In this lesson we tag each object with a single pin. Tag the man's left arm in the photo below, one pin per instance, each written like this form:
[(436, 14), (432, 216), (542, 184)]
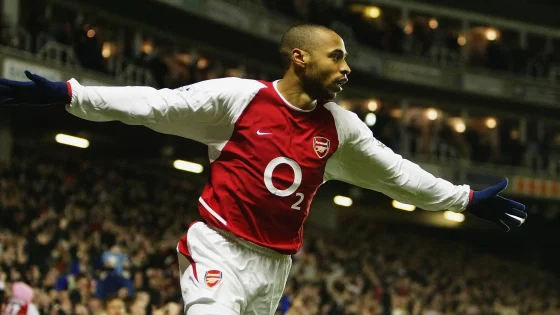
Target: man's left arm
[(364, 161)]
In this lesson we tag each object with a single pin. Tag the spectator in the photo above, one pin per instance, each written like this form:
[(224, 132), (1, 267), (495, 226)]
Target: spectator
[(371, 270), (115, 306), (21, 301)]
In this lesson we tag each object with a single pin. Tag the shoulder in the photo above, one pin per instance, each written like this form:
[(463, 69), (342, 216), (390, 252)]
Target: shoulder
[(231, 85), (348, 125), (340, 113)]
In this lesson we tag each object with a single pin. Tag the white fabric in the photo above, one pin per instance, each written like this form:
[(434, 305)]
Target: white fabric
[(364, 161), (15, 307), (207, 111), (210, 309), (251, 283)]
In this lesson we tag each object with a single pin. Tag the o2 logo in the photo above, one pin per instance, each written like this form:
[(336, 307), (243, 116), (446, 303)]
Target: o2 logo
[(295, 184)]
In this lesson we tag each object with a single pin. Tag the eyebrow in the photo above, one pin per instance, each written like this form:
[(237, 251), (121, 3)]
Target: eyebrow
[(340, 52)]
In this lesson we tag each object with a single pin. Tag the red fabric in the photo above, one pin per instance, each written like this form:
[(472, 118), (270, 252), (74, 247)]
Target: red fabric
[(262, 184), (69, 86), (184, 250)]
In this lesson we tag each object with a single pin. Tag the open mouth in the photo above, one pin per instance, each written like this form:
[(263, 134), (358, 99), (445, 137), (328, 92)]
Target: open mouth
[(341, 82)]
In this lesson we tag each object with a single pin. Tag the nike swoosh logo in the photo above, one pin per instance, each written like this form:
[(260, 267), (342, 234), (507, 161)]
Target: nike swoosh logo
[(263, 133)]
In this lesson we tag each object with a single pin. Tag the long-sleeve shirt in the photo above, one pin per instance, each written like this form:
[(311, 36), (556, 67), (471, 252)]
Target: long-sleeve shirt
[(268, 157)]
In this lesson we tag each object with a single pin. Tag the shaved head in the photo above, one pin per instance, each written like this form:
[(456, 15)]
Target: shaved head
[(314, 57), (302, 36)]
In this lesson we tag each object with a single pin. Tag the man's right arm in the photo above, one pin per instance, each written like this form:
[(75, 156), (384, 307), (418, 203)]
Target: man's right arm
[(204, 111), (185, 111)]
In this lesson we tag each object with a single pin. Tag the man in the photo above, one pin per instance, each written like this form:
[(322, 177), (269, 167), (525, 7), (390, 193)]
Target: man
[(115, 306), (271, 145)]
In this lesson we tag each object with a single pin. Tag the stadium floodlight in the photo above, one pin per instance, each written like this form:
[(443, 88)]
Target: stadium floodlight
[(433, 23), (408, 29), (432, 114), (372, 105), (371, 119), (71, 141), (372, 12), (491, 34), (459, 126), (343, 201), (188, 166), (454, 216), (491, 123), (403, 206)]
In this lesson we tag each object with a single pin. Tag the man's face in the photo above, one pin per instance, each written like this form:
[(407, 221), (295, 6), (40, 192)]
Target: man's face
[(115, 307), (326, 70)]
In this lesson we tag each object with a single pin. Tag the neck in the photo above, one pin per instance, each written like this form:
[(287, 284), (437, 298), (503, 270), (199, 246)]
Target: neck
[(291, 88)]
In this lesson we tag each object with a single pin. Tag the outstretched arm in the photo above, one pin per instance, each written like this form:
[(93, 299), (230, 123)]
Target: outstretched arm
[(364, 161), (191, 111), (143, 105)]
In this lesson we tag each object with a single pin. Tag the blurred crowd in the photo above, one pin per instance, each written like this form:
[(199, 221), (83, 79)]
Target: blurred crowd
[(93, 41), (104, 45), (173, 65), (100, 238), (430, 134), (440, 41), (382, 269), (96, 40), (83, 235)]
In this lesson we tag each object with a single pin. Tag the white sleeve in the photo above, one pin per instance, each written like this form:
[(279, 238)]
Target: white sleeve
[(194, 111), (364, 161)]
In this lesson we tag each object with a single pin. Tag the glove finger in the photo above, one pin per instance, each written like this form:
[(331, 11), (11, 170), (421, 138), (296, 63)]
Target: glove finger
[(517, 205), (15, 84), (36, 78), (512, 203), (518, 213), (29, 75), (496, 189), (502, 225), (512, 220)]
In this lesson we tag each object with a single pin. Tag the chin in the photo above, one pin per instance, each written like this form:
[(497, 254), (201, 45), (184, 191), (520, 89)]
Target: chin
[(329, 95)]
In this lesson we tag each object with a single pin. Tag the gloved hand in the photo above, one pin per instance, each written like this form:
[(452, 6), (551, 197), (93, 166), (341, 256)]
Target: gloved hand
[(38, 91), (488, 205)]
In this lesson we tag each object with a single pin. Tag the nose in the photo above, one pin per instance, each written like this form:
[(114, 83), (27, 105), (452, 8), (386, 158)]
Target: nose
[(345, 69)]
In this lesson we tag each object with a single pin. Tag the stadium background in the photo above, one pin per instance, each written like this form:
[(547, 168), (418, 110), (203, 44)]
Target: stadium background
[(466, 89)]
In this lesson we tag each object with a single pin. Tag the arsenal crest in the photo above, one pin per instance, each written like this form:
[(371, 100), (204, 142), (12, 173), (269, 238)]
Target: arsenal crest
[(321, 146), (212, 277)]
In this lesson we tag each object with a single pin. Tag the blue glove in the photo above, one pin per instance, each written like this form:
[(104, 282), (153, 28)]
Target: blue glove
[(488, 205), (38, 91)]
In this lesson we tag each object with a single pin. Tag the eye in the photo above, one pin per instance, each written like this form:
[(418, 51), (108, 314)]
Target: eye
[(336, 57)]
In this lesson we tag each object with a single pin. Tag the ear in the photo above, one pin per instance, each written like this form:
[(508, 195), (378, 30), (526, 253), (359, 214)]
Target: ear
[(299, 57)]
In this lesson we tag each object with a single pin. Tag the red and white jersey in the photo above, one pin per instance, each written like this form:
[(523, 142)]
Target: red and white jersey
[(268, 157), (20, 307)]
